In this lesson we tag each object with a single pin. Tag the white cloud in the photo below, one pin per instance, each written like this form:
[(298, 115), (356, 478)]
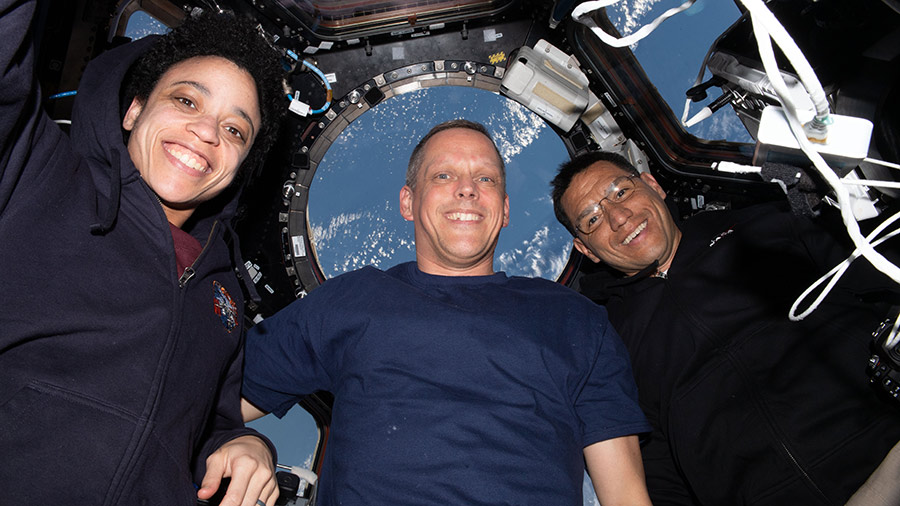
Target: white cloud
[(353, 240), (337, 224), (515, 129), (724, 124), (534, 258), (629, 17)]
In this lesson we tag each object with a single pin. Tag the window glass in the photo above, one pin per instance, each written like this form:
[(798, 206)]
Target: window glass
[(671, 55), (141, 24), (353, 202), (342, 17), (295, 436)]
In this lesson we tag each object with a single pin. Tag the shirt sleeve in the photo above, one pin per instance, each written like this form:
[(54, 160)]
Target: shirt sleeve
[(282, 356), (607, 404)]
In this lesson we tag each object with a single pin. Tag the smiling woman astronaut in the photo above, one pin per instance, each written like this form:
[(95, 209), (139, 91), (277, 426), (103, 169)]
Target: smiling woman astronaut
[(122, 314)]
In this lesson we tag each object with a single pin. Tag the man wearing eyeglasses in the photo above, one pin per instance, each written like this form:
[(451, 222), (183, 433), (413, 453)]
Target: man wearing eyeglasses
[(628, 237), (746, 406)]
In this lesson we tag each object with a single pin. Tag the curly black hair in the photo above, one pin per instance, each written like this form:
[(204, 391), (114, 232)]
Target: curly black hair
[(234, 39)]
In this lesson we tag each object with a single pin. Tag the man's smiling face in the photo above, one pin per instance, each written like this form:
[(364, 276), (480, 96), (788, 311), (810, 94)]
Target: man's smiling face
[(459, 204), (193, 132), (633, 233)]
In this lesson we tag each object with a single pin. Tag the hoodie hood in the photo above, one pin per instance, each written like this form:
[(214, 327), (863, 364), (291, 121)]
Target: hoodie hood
[(98, 136), (97, 127), (97, 113)]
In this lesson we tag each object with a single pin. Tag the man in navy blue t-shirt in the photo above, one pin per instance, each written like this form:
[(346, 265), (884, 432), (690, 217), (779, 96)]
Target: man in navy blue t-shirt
[(454, 384)]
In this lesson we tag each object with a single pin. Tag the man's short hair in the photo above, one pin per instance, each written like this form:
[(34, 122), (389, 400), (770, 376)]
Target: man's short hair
[(233, 39), (570, 169), (418, 154)]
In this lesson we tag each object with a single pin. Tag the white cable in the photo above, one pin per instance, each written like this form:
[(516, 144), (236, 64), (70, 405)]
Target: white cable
[(871, 182), (687, 108), (305, 474), (581, 10), (700, 116), (838, 271), (894, 336), (768, 57), (301, 472), (763, 17), (765, 28), (863, 246), (699, 79), (882, 162), (736, 168)]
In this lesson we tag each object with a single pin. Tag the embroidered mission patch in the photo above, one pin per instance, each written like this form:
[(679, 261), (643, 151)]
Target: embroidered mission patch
[(225, 307)]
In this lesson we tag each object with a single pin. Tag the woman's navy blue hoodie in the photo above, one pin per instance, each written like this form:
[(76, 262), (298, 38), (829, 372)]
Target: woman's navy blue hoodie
[(117, 376)]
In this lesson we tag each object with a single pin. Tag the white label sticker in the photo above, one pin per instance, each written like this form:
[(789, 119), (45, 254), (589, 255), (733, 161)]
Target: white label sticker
[(491, 35), (299, 246)]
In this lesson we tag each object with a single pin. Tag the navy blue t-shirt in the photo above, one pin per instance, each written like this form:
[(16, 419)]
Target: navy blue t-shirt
[(448, 390)]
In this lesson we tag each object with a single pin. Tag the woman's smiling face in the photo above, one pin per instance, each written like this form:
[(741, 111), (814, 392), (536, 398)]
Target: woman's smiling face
[(193, 132)]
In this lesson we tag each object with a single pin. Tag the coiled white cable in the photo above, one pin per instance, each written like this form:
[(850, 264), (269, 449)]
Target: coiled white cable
[(579, 13), (766, 28), (835, 273), (863, 245)]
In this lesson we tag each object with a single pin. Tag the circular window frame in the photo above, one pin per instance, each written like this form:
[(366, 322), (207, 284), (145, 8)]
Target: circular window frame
[(301, 258)]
